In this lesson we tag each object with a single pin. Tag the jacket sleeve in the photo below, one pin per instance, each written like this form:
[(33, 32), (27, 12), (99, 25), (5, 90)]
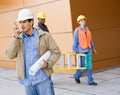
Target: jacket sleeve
[(12, 49), (55, 51), (75, 41)]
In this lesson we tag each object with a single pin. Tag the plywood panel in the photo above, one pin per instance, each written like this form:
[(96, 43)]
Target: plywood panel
[(64, 41), (106, 64), (7, 5), (7, 64), (3, 46), (107, 43), (6, 23), (100, 13), (30, 3), (58, 16)]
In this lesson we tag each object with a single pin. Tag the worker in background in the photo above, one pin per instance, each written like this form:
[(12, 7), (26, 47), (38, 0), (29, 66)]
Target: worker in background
[(41, 16), (27, 47), (83, 44)]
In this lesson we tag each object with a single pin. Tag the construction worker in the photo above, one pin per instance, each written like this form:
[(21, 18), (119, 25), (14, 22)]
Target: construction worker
[(41, 16), (27, 46), (83, 44)]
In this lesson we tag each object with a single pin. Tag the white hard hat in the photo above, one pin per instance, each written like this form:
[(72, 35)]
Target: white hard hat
[(25, 14)]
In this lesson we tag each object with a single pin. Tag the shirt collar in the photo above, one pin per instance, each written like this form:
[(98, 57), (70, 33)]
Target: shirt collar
[(33, 33), (84, 28)]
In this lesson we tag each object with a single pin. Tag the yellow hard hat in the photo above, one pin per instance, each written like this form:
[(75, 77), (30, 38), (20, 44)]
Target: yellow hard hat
[(41, 15), (81, 17)]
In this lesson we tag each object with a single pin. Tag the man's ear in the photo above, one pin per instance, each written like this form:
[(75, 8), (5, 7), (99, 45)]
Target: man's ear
[(32, 22)]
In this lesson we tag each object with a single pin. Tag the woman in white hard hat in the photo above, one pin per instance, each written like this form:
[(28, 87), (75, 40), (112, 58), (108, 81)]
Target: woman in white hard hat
[(83, 44), (27, 47)]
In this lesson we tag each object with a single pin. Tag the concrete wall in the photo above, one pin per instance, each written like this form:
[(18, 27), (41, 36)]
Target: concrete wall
[(104, 22)]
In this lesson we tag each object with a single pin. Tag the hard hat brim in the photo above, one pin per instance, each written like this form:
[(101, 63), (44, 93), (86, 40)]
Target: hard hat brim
[(24, 19)]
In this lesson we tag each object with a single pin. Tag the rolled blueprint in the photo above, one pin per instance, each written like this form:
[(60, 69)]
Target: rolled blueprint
[(39, 63)]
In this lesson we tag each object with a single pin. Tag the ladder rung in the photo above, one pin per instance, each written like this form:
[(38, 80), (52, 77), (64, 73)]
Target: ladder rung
[(69, 58), (69, 68)]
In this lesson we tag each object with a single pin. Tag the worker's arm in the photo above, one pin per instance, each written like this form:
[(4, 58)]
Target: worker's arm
[(13, 47)]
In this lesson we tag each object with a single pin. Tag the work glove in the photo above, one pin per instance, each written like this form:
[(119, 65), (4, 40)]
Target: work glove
[(74, 53), (94, 51)]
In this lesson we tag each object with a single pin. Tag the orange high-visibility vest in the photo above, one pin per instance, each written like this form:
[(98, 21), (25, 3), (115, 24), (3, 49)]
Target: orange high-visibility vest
[(84, 38)]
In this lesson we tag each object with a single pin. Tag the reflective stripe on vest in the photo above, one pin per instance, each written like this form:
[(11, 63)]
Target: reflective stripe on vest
[(84, 38)]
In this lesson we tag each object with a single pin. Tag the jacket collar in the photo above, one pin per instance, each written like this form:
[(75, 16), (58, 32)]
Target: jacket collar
[(40, 33)]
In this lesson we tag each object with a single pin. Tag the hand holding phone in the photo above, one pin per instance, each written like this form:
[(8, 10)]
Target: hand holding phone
[(16, 30)]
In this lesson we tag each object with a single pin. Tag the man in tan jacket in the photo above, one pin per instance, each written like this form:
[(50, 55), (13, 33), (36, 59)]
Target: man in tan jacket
[(28, 46)]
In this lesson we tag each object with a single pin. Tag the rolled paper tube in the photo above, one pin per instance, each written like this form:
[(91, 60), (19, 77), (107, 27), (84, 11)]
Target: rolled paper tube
[(39, 63)]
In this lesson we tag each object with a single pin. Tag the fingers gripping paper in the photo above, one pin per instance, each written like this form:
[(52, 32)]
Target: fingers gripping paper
[(39, 63)]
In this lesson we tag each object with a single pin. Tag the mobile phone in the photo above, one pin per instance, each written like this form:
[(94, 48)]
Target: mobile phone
[(16, 26)]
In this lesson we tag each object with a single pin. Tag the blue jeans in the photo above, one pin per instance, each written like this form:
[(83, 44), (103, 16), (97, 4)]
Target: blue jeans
[(43, 88), (78, 73)]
